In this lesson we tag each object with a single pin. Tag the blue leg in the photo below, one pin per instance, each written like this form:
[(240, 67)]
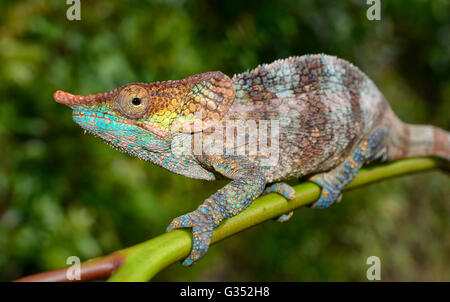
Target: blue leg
[(333, 181), (229, 201)]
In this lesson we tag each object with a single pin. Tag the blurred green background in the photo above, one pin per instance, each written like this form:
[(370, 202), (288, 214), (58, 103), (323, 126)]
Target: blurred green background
[(63, 193)]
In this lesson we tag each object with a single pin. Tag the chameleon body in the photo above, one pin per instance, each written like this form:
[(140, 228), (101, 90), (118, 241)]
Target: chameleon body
[(331, 120)]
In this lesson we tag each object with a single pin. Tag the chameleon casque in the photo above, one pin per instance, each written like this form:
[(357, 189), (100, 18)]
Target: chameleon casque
[(332, 120)]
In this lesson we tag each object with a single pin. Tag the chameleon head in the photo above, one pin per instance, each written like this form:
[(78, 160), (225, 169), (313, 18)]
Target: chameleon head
[(140, 118), (116, 118), (162, 108)]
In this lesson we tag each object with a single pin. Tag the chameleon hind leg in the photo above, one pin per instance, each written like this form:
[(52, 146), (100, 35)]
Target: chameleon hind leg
[(286, 191), (332, 182)]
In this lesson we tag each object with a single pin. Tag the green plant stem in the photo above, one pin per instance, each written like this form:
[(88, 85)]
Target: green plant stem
[(143, 261), (147, 259)]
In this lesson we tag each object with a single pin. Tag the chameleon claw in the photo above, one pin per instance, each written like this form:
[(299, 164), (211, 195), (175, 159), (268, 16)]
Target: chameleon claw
[(202, 229), (187, 262), (285, 217), (179, 223)]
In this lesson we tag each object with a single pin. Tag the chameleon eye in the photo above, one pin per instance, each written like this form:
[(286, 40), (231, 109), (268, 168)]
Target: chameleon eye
[(133, 101)]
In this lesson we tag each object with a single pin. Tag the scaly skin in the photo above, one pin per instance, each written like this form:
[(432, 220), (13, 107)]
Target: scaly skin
[(331, 120)]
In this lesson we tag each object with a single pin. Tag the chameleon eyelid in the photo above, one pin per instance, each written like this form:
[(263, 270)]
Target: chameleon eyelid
[(133, 101)]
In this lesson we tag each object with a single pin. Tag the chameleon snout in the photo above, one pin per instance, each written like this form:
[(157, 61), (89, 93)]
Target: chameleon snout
[(69, 99)]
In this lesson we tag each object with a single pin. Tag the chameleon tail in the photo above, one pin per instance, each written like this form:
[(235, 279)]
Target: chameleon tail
[(418, 140)]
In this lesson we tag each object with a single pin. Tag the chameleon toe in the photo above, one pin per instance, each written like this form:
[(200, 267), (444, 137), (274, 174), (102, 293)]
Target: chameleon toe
[(284, 190), (202, 230), (285, 217), (281, 188)]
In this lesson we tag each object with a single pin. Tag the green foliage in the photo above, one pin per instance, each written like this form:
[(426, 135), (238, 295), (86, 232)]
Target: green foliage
[(63, 194)]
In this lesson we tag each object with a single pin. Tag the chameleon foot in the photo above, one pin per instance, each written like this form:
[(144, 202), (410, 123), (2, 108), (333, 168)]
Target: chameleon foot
[(333, 181), (287, 192), (202, 230), (331, 190)]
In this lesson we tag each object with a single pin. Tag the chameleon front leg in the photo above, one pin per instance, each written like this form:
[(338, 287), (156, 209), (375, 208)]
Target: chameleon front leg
[(333, 181), (248, 184)]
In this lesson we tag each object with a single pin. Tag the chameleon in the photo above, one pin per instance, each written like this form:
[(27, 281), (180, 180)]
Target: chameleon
[(328, 120)]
